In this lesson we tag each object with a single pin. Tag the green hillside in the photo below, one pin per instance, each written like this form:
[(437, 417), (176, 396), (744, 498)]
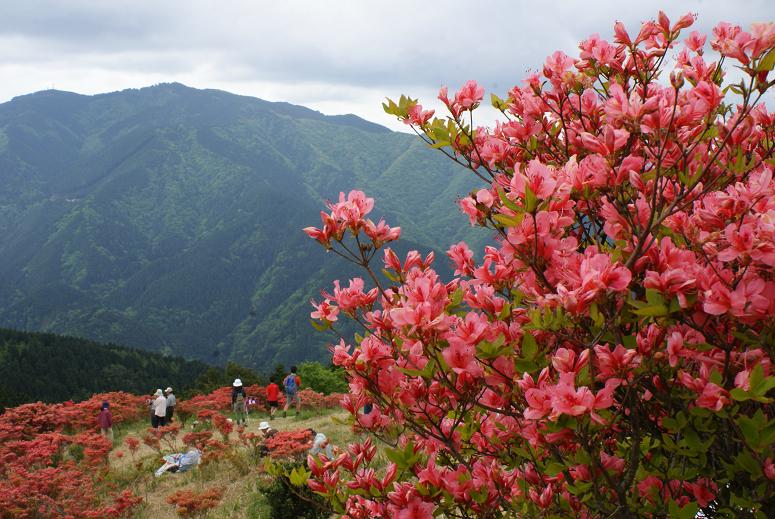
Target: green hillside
[(52, 368), (168, 218)]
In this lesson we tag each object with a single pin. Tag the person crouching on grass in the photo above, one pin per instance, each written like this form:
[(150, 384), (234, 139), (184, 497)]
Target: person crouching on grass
[(272, 396), (266, 432)]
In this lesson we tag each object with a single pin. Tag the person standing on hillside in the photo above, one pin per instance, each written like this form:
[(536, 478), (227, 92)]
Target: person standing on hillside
[(105, 420), (151, 410), (238, 398), (171, 403), (159, 410), (291, 385), (272, 396)]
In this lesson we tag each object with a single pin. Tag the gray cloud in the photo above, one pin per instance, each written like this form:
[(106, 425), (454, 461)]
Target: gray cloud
[(326, 53)]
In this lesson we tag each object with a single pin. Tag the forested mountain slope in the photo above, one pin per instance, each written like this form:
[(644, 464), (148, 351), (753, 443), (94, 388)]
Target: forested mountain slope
[(169, 218)]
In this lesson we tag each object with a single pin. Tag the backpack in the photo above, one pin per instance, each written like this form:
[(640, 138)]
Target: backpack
[(290, 384)]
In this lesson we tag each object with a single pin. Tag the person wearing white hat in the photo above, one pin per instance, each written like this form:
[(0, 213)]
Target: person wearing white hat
[(266, 429), (159, 409), (267, 432), (238, 398), (171, 403)]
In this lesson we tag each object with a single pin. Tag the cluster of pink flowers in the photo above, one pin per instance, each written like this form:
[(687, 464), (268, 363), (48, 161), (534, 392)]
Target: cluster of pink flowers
[(349, 215), (621, 325)]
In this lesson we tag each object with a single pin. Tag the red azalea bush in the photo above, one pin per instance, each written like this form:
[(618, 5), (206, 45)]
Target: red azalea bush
[(288, 444), (27, 420), (610, 353), (198, 439), (220, 400), (192, 504), (52, 462), (162, 437), (40, 479)]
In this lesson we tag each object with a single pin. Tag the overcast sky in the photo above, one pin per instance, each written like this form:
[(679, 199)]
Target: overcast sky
[(331, 55)]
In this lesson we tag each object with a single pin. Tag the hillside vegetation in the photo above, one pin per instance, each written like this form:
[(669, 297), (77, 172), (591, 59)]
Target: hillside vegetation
[(53, 368), (168, 218), (55, 464)]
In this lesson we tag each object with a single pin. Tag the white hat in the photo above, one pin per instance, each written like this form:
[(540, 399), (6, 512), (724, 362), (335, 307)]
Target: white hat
[(263, 426), (168, 390), (158, 392), (237, 382)]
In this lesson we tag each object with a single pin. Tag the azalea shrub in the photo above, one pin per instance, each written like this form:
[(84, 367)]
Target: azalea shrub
[(28, 420), (289, 444), (57, 475), (284, 490), (609, 353), (162, 438), (220, 400), (195, 504)]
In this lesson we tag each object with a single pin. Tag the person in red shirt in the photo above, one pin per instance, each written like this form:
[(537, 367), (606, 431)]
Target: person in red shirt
[(105, 420), (272, 396)]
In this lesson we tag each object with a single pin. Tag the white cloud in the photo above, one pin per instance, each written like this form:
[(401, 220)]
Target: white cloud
[(336, 56)]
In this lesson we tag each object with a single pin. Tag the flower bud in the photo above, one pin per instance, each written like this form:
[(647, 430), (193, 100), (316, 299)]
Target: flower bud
[(677, 78)]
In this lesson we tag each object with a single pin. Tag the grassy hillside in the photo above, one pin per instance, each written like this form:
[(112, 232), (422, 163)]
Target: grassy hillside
[(56, 465), (169, 218)]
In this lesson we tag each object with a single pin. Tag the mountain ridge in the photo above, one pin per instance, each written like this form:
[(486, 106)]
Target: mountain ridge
[(169, 218)]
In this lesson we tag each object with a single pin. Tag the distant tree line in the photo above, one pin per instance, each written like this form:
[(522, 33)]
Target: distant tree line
[(53, 368)]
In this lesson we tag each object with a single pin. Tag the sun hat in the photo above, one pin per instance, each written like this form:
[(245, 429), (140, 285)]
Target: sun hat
[(263, 426), (168, 390), (237, 382), (158, 392)]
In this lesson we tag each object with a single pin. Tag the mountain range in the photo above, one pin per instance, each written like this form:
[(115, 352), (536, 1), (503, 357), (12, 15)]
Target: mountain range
[(169, 218)]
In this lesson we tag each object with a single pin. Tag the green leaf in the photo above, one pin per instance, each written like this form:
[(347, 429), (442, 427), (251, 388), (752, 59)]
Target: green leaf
[(397, 456), (457, 296), (531, 202), (765, 385), (756, 380), (651, 311), (767, 63), (553, 468), (390, 275), (505, 312), (505, 200), (320, 326), (508, 220), (750, 430), (536, 319), (529, 346), (299, 477), (686, 512), (525, 366), (739, 395), (654, 297), (692, 440), (497, 102)]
